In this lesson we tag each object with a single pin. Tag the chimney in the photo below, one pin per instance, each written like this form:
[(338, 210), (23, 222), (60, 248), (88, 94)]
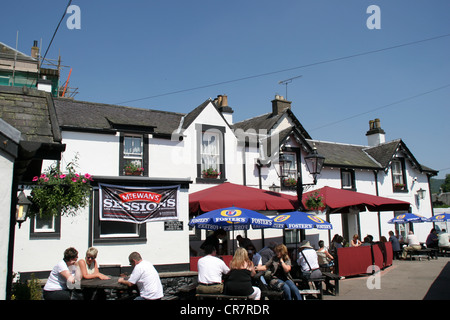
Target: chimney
[(375, 135), (279, 104), (222, 105), (35, 50)]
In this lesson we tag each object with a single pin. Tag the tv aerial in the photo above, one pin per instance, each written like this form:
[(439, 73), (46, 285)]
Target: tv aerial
[(286, 82)]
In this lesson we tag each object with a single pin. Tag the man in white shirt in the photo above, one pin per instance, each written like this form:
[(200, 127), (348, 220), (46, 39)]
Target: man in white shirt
[(443, 240), (308, 261), (146, 278), (210, 272), (413, 244)]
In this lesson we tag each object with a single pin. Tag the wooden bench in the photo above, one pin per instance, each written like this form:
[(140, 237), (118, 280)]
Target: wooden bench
[(203, 296), (271, 295), (317, 283), (429, 253), (444, 251), (332, 288)]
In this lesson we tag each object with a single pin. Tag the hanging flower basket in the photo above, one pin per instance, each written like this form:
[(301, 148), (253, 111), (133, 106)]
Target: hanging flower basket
[(290, 182), (314, 201), (57, 193)]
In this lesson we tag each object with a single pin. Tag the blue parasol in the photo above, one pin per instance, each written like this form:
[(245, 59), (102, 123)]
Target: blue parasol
[(230, 219), (442, 217), (300, 220), (407, 217)]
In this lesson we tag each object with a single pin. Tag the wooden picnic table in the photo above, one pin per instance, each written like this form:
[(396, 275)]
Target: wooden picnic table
[(97, 284)]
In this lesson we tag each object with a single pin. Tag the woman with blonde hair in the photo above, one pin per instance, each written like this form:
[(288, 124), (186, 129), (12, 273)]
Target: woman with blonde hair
[(355, 241), (239, 280), (89, 266), (280, 267)]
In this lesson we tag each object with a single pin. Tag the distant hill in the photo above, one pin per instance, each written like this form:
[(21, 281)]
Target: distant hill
[(436, 184)]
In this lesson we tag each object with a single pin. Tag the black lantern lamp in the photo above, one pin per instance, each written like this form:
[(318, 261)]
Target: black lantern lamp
[(421, 194), (22, 208), (314, 163)]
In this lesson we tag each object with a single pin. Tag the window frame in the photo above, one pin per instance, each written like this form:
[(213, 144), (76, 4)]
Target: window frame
[(402, 175), (54, 233), (145, 152), (220, 131), (350, 172), (296, 171)]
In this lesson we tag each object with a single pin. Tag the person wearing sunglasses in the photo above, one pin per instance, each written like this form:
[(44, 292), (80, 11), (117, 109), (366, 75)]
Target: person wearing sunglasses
[(89, 266)]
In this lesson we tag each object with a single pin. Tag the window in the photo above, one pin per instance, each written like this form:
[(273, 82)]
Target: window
[(107, 232), (134, 155), (348, 179), (289, 170), (45, 227), (398, 175), (210, 154)]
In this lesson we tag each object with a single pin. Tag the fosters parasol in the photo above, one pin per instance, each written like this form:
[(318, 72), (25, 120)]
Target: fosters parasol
[(442, 217), (407, 217), (300, 220), (230, 219)]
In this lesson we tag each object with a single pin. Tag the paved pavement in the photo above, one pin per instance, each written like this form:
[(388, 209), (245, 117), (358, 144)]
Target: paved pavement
[(404, 280)]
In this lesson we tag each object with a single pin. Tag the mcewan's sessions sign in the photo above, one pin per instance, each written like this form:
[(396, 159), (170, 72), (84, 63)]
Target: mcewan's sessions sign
[(138, 204)]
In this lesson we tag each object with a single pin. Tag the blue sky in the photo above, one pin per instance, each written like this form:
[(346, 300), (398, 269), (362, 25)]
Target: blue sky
[(173, 55)]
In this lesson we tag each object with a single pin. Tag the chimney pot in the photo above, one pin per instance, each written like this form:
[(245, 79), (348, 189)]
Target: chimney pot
[(35, 50), (375, 135), (279, 104)]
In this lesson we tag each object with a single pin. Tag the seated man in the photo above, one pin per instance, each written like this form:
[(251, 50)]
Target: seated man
[(210, 272), (308, 261), (443, 240), (413, 244)]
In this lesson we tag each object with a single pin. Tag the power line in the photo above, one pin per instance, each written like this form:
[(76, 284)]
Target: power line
[(56, 30), (382, 107), (289, 69)]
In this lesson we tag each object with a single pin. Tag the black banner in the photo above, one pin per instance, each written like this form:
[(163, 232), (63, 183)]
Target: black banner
[(138, 204)]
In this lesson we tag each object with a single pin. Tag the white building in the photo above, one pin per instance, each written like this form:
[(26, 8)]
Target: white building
[(175, 149)]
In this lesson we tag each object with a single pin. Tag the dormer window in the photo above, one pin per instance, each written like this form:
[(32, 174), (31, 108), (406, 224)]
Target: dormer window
[(134, 155), (398, 175), (210, 165)]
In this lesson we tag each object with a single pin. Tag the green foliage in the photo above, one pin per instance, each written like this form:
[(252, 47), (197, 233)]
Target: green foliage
[(27, 291), (314, 201), (446, 185), (60, 193)]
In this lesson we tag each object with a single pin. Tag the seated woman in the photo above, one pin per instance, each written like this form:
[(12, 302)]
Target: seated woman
[(56, 285), (89, 270), (326, 260), (89, 266), (280, 267), (239, 280)]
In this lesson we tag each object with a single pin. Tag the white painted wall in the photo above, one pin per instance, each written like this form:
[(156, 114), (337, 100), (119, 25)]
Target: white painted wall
[(6, 173)]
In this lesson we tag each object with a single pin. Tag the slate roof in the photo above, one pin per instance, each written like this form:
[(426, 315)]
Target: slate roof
[(365, 157), (267, 122), (82, 115), (31, 112)]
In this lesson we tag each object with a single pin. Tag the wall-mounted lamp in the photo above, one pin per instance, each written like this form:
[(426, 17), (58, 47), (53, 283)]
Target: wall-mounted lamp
[(22, 208), (421, 194), (274, 188)]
